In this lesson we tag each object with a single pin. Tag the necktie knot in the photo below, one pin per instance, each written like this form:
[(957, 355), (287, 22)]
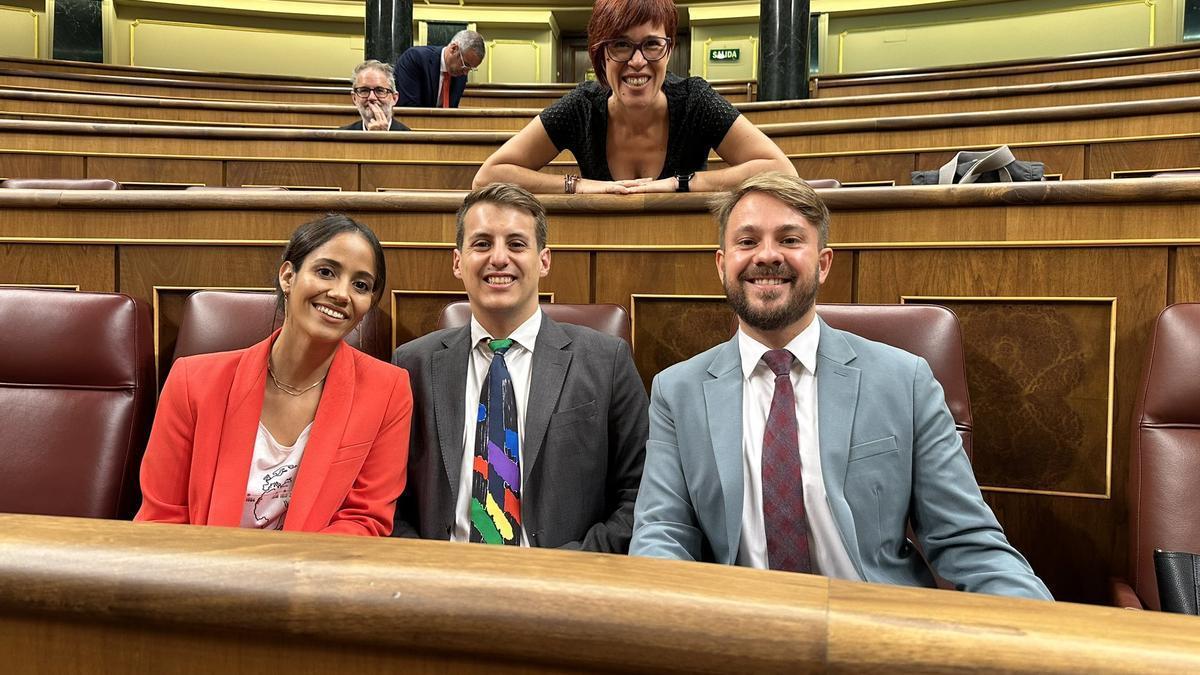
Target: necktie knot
[(500, 346), (779, 361)]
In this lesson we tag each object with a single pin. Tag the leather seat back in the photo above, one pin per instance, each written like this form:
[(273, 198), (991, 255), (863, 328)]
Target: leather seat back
[(76, 398), (929, 331), (221, 321), (60, 184), (1164, 500)]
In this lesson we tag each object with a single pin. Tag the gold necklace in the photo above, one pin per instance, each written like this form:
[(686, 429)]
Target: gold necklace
[(287, 388)]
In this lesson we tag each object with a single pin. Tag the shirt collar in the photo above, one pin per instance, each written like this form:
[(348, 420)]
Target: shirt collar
[(442, 61), (525, 334), (803, 347)]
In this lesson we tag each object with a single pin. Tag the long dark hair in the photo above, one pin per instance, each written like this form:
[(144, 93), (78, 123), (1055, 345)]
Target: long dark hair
[(313, 235)]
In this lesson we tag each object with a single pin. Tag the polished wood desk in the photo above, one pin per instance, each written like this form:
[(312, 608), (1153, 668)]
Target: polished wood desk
[(744, 88), (1084, 141), (64, 105), (1056, 284), (114, 596), (282, 93), (1025, 71)]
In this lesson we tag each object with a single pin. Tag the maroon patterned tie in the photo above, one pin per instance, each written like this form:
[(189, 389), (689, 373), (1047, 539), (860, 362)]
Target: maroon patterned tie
[(784, 517)]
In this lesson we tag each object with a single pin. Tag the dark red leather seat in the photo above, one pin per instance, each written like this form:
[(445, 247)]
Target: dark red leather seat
[(929, 331), (60, 184), (1164, 463), (610, 319), (221, 321), (76, 397)]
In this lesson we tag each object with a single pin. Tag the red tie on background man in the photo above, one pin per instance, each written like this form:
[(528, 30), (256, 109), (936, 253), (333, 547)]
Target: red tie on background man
[(444, 96), (784, 516)]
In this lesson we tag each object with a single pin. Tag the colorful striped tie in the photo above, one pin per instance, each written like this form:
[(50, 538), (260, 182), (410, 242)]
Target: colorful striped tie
[(496, 477)]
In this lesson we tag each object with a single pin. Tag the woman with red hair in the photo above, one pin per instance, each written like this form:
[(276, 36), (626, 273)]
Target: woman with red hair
[(636, 128)]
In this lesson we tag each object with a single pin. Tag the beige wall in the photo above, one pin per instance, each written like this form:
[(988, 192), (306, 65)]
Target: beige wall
[(24, 28), (994, 32), (256, 36), (324, 37), (742, 36), (725, 26)]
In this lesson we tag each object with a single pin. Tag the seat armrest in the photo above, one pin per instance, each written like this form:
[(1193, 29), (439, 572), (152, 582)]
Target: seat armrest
[(1123, 595)]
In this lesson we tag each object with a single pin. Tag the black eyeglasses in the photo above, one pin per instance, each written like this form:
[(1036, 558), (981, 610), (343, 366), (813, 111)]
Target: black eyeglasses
[(380, 92), (653, 48)]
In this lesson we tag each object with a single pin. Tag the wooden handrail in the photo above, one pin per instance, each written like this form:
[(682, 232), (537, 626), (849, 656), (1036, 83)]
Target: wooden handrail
[(1119, 82), (934, 121), (1012, 67), (419, 601), (1183, 189), (60, 65)]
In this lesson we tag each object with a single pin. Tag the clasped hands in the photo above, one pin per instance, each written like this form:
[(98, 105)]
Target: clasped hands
[(626, 187)]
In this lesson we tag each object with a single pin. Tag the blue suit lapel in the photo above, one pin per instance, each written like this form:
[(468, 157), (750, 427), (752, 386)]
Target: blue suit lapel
[(837, 401), (723, 405)]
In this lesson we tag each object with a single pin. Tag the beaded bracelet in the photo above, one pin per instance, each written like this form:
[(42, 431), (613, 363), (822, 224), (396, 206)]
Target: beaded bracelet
[(569, 182)]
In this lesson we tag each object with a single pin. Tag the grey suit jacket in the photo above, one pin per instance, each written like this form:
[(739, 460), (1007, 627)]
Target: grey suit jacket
[(585, 437), (889, 454)]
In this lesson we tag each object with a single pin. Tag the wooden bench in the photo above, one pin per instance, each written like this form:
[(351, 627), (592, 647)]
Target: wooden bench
[(1170, 58)]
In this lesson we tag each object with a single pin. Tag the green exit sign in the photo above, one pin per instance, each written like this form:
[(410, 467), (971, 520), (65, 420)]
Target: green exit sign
[(724, 55)]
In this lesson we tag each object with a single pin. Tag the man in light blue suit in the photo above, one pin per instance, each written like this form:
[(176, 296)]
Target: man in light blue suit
[(796, 446)]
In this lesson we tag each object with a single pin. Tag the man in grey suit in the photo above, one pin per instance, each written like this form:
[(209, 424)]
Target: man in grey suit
[(795, 446), (578, 424)]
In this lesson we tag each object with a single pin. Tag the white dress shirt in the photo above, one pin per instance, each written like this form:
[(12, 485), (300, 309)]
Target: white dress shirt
[(519, 360), (758, 388)]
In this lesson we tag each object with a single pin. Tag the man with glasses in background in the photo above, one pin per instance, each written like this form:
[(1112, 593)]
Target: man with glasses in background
[(374, 94), (435, 77)]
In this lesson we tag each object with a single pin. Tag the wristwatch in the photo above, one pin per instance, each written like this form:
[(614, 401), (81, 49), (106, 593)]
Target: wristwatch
[(683, 179)]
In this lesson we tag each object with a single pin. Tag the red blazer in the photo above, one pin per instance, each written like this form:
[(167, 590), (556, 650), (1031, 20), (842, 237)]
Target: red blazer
[(198, 458)]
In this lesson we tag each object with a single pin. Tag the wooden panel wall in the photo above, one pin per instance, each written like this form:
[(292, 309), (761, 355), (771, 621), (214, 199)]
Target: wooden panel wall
[(230, 166)]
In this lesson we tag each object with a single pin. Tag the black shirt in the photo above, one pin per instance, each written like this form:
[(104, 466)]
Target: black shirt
[(697, 119), (358, 126)]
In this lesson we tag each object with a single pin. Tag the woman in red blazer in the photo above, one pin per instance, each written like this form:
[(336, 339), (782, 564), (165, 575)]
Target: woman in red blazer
[(300, 432)]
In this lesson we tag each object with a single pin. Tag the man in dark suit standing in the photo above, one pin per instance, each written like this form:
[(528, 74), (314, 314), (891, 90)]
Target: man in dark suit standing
[(525, 431), (435, 77), (374, 95)]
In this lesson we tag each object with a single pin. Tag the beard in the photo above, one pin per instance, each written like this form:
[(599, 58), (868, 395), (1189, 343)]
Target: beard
[(802, 295)]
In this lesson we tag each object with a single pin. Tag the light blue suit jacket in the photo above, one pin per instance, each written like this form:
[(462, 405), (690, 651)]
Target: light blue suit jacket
[(889, 454)]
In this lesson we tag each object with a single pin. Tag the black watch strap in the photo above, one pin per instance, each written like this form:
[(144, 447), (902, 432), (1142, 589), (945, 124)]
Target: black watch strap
[(684, 179)]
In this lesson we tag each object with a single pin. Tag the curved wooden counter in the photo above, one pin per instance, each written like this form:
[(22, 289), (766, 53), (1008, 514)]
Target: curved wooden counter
[(283, 93), (148, 72), (1025, 71), (1084, 141), (108, 595), (63, 105)]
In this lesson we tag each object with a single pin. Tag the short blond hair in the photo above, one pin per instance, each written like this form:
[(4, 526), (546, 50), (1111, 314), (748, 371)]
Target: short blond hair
[(504, 194), (786, 188)]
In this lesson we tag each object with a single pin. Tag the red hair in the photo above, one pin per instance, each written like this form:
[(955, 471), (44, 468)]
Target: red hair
[(611, 18)]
